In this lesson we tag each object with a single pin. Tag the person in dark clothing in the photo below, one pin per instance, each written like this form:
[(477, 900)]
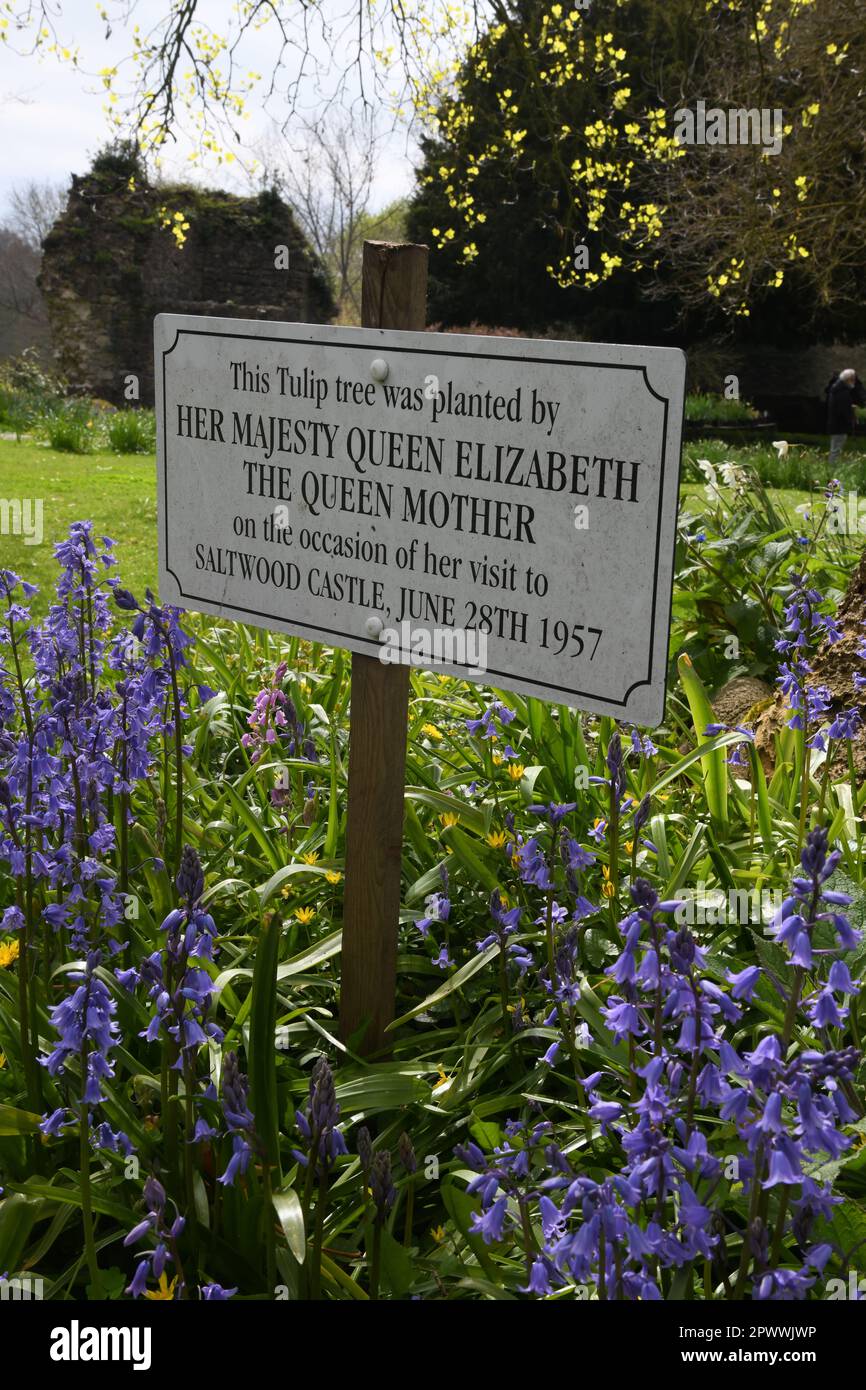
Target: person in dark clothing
[(844, 393)]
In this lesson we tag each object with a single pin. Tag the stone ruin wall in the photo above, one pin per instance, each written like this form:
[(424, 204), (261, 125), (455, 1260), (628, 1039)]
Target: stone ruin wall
[(109, 266)]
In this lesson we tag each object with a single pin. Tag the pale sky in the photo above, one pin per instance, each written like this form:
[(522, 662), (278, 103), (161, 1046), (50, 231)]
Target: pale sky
[(52, 116)]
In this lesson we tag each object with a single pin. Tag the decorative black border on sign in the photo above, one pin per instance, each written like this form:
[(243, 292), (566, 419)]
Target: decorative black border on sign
[(432, 352)]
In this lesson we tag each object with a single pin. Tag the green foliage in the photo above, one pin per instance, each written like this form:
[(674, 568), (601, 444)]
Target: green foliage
[(708, 409), (70, 427), (736, 538), (802, 466), (131, 431), (27, 390), (558, 132), (118, 162)]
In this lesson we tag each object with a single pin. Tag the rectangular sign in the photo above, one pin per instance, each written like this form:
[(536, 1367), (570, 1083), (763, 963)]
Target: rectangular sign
[(501, 508)]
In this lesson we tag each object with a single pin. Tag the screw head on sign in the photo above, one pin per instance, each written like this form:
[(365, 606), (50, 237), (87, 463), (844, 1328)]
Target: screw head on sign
[(373, 626), (379, 369)]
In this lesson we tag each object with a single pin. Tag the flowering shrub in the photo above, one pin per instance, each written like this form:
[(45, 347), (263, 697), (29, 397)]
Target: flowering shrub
[(588, 1095)]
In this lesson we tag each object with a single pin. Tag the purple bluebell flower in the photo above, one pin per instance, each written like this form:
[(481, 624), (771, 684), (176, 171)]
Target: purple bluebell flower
[(322, 1140)]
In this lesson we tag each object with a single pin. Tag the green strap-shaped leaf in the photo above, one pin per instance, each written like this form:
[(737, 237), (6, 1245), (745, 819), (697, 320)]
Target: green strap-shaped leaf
[(762, 799), (14, 1121), (263, 1056), (457, 980), (713, 767), (469, 852), (291, 1217)]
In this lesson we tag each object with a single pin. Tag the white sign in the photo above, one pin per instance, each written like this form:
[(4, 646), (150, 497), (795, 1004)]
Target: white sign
[(503, 508)]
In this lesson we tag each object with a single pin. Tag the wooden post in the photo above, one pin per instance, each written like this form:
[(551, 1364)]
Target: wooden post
[(393, 295)]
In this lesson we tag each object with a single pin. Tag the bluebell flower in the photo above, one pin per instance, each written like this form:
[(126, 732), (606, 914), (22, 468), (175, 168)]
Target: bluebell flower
[(161, 1228), (486, 725), (323, 1141), (382, 1187), (239, 1119), (743, 982)]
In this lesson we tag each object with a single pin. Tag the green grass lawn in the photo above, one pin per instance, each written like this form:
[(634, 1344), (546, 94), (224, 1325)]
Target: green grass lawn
[(804, 466), (116, 491)]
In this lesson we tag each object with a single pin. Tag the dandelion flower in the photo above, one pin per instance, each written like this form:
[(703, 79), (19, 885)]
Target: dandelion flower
[(8, 953), (165, 1292)]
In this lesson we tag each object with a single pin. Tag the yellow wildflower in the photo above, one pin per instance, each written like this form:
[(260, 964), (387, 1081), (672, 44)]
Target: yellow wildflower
[(496, 838), (431, 731), (449, 818), (310, 858), (332, 876), (8, 953), (165, 1292), (516, 771), (305, 915)]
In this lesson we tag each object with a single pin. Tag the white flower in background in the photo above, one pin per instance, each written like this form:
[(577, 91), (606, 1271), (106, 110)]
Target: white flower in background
[(781, 446), (734, 476), (712, 488)]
